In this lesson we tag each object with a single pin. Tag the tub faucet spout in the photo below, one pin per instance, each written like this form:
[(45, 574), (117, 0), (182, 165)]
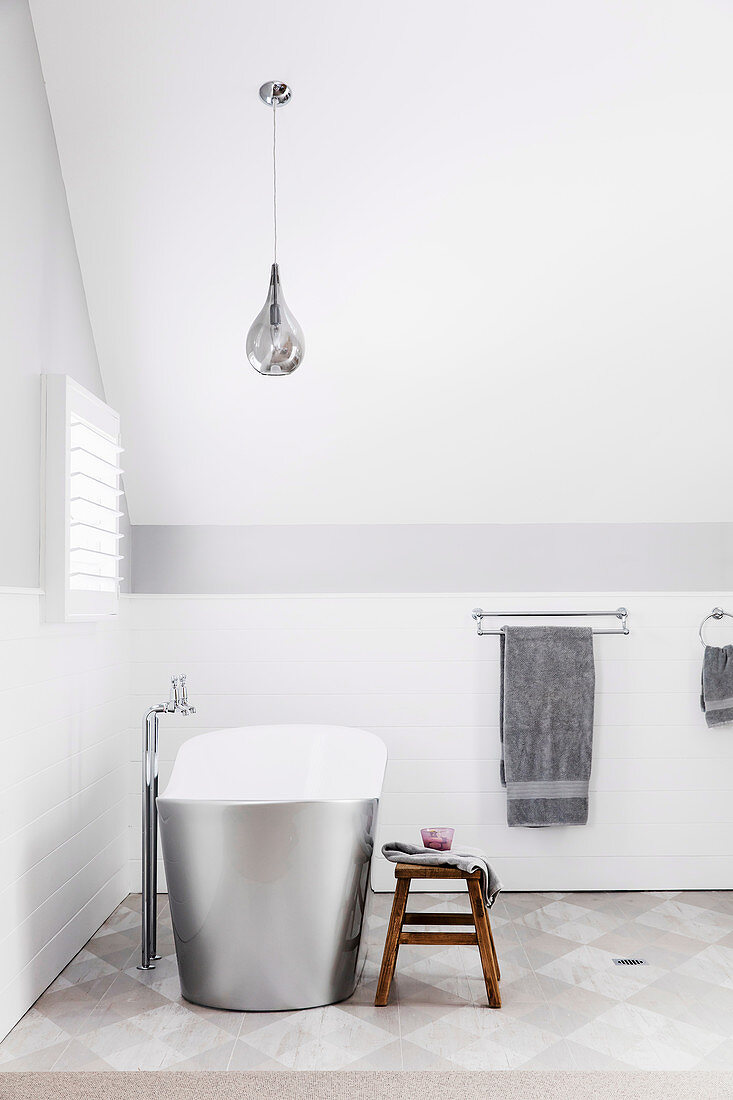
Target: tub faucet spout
[(184, 706)]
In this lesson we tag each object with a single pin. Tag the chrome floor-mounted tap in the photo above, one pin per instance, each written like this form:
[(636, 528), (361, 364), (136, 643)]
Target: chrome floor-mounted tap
[(177, 704)]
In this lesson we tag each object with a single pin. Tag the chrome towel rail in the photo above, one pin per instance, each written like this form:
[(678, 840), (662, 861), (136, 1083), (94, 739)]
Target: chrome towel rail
[(621, 613)]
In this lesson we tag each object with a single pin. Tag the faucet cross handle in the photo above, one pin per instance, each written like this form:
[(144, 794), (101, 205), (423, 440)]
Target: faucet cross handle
[(173, 697), (184, 690)]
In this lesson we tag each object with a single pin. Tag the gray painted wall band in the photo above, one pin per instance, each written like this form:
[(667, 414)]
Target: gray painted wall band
[(664, 557)]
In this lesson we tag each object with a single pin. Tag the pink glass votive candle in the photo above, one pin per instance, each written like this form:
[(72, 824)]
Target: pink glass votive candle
[(440, 838)]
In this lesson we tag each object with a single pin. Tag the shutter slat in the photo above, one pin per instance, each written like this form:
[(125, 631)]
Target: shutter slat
[(104, 484), (97, 576), (77, 422), (102, 553), (92, 527), (96, 504), (97, 458)]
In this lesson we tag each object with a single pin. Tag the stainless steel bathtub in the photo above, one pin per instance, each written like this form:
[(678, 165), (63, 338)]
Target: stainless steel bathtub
[(268, 895)]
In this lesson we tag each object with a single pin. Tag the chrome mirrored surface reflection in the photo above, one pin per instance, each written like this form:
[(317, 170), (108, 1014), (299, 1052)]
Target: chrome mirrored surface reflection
[(267, 899)]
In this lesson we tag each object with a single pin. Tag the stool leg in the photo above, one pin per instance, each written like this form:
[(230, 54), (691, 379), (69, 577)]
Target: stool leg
[(493, 948), (483, 935), (392, 942)]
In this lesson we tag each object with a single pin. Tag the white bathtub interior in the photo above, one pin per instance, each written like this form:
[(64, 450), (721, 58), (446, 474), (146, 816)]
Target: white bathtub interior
[(279, 763)]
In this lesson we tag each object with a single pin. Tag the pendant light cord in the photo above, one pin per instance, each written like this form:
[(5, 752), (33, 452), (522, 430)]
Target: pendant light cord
[(274, 178)]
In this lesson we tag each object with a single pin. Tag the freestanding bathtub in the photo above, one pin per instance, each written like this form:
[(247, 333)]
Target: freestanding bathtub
[(267, 835)]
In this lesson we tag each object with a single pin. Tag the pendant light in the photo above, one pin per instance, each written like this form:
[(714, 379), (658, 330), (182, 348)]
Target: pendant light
[(275, 345)]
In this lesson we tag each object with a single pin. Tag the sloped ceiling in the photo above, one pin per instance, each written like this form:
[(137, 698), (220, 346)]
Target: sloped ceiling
[(505, 229)]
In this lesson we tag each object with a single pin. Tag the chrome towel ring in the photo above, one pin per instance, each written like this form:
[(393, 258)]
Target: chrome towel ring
[(716, 613)]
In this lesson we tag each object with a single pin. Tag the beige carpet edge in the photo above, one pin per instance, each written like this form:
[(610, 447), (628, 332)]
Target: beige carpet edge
[(368, 1085)]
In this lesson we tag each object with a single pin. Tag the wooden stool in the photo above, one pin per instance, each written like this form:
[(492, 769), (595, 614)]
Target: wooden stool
[(479, 918)]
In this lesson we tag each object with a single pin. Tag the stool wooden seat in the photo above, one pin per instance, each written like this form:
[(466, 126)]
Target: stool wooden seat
[(481, 937)]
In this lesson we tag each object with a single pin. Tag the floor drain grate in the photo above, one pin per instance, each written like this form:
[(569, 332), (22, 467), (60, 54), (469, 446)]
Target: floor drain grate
[(630, 962)]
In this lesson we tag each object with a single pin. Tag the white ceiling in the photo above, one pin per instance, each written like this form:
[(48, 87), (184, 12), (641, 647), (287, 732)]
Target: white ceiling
[(505, 228)]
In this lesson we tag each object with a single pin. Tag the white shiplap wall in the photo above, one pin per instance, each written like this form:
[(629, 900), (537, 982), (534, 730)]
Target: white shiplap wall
[(412, 669), (63, 812)]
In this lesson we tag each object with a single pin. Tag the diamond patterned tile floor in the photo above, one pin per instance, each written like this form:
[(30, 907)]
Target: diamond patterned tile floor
[(565, 1005)]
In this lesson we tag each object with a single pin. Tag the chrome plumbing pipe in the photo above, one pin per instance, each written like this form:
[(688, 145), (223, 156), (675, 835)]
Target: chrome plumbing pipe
[(177, 703)]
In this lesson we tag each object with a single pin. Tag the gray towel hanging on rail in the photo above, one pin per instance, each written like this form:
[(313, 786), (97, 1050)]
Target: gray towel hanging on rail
[(716, 696), (546, 723)]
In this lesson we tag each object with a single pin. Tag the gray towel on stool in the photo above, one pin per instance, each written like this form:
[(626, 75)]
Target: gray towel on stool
[(716, 697), (467, 859), (546, 723)]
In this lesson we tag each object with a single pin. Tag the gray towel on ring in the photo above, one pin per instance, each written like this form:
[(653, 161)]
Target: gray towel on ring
[(716, 696), (467, 859), (546, 723)]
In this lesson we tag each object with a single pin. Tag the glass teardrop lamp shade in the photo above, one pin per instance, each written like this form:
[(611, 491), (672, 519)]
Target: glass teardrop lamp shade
[(275, 344)]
